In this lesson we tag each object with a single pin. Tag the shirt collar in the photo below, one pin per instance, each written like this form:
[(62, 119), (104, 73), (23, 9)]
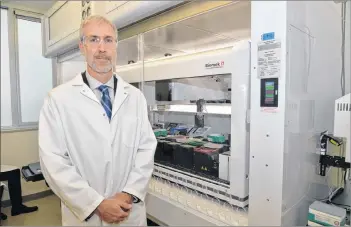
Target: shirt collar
[(94, 83)]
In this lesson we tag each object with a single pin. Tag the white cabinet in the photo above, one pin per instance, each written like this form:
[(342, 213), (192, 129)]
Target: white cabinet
[(62, 22), (61, 25), (58, 26), (134, 11)]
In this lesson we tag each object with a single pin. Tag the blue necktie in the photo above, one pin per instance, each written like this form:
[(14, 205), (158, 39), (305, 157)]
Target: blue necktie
[(106, 100)]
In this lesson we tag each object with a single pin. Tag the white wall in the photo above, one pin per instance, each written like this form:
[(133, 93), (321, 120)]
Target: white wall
[(313, 85), (69, 69)]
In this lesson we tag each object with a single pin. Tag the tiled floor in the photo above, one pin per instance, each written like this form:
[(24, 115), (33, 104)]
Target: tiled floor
[(49, 214)]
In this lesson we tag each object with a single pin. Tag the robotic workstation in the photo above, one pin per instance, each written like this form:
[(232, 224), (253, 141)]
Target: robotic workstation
[(199, 116)]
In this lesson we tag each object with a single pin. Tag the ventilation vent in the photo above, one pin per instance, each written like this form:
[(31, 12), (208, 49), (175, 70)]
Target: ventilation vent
[(342, 107)]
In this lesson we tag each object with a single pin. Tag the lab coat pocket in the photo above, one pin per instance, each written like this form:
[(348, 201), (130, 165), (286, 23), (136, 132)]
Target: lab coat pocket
[(129, 131)]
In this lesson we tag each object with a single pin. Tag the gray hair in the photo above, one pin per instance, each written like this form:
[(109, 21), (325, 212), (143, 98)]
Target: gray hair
[(96, 18)]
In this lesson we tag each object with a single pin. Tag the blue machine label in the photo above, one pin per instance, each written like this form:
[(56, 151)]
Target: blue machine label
[(267, 36)]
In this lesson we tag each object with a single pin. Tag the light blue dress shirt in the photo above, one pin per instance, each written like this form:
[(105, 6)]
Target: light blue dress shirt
[(95, 84)]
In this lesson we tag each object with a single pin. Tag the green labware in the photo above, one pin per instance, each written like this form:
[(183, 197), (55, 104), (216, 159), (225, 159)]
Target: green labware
[(216, 138), (196, 143), (160, 132)]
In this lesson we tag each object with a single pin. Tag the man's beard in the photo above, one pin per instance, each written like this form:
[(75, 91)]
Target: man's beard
[(104, 69)]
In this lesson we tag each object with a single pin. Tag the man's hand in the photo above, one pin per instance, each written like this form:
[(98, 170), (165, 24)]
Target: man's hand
[(113, 210), (122, 196)]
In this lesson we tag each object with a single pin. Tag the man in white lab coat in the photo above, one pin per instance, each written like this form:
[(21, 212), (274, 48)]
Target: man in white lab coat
[(96, 143)]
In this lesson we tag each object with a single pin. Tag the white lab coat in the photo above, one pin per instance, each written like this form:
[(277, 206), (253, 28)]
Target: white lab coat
[(85, 158)]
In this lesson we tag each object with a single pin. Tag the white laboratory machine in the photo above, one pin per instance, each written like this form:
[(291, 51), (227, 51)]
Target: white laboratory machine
[(342, 125), (197, 76)]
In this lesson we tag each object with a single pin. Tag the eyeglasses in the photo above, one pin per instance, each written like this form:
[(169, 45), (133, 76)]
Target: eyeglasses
[(95, 41)]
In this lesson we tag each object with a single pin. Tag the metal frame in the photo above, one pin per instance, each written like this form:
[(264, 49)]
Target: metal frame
[(13, 15)]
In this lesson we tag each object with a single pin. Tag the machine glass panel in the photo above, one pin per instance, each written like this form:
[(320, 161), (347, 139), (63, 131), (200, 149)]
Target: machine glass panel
[(197, 94), (191, 118)]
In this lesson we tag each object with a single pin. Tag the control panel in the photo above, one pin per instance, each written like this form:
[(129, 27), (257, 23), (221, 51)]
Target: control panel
[(269, 92)]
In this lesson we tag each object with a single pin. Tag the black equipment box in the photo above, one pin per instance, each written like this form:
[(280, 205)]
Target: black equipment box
[(206, 161), (165, 151), (169, 149), (184, 156), (32, 172), (159, 150)]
